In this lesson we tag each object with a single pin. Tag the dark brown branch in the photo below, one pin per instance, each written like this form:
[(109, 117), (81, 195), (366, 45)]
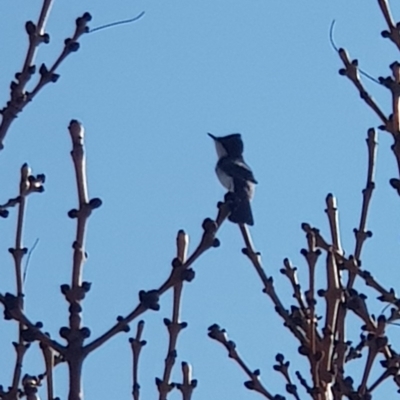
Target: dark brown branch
[(268, 284), (75, 334), (351, 71), (48, 356), (28, 184), (175, 326), (76, 131), (188, 384), (333, 296), (291, 273), (361, 233), (19, 251), (10, 203), (351, 265), (373, 350), (19, 97), (34, 331), (393, 34), (136, 345), (333, 218), (395, 90), (391, 365), (394, 87), (311, 255), (220, 335), (334, 293), (71, 45), (75, 365), (20, 349), (36, 37), (283, 368)]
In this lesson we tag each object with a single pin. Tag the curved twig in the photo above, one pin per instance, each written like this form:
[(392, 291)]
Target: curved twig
[(126, 21)]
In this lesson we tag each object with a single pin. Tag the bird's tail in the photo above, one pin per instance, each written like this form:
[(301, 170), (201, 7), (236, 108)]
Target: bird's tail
[(241, 211)]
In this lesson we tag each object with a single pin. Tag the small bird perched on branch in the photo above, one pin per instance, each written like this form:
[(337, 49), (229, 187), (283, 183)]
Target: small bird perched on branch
[(236, 176)]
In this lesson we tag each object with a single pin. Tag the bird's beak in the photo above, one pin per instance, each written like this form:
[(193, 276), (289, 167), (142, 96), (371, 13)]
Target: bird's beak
[(211, 135)]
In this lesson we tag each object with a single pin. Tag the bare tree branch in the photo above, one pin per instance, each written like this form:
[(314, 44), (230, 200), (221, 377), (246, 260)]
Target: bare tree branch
[(19, 97)]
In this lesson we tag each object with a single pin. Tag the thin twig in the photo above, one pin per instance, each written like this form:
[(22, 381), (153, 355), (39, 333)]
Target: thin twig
[(136, 345), (333, 44), (311, 255), (13, 311), (48, 356), (351, 71), (18, 253), (331, 30), (188, 384), (126, 21), (20, 349), (333, 218), (361, 233), (394, 88), (175, 326), (10, 203), (19, 97), (395, 67), (291, 273), (220, 335), (393, 34), (36, 37), (333, 297), (71, 45), (351, 265), (28, 184), (283, 368), (28, 258), (83, 212), (75, 294), (268, 284)]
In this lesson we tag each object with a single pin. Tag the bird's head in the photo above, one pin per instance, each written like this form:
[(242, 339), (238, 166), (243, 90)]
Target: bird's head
[(231, 145)]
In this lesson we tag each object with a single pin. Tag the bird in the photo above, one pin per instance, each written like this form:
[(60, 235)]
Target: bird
[(236, 176)]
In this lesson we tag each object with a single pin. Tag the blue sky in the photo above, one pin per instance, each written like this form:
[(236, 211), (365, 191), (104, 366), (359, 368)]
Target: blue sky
[(147, 94)]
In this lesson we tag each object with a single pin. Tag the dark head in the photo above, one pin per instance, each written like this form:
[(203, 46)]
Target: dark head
[(231, 145)]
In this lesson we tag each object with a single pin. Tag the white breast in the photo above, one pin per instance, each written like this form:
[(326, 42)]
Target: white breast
[(225, 179)]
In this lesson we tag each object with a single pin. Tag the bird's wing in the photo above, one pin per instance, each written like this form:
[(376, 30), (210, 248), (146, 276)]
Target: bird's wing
[(238, 169)]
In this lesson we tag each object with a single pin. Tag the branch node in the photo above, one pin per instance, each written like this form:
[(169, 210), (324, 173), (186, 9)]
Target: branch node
[(149, 299)]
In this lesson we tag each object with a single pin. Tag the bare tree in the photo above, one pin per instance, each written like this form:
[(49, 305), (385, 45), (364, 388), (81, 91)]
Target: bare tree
[(322, 337)]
